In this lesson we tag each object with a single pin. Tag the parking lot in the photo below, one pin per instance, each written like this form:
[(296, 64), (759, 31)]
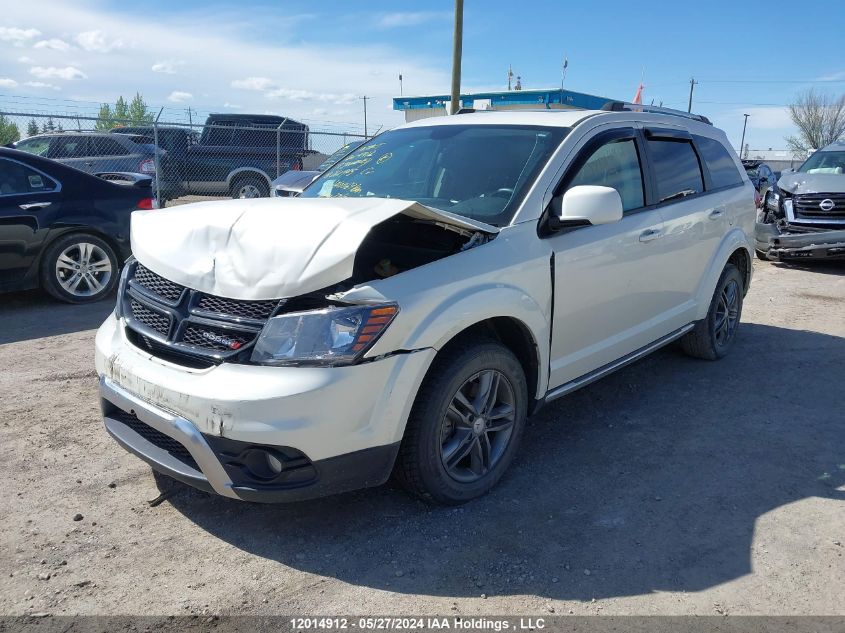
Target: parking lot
[(674, 486)]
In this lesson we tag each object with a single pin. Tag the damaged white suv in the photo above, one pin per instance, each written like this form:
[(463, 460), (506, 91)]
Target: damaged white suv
[(420, 299)]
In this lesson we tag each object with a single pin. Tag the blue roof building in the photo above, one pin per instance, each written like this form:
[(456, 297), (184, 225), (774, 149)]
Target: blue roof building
[(556, 99)]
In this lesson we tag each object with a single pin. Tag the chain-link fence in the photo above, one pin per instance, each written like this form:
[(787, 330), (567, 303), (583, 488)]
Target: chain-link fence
[(229, 155)]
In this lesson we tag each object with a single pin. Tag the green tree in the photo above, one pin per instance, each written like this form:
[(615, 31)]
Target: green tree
[(104, 118), (32, 128), (138, 111), (48, 125), (9, 132), (121, 111)]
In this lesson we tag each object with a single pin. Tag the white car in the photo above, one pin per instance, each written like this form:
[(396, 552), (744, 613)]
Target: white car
[(416, 303)]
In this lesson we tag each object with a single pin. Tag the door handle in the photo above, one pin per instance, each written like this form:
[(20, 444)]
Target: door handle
[(650, 234), (715, 214), (34, 205), (89, 163)]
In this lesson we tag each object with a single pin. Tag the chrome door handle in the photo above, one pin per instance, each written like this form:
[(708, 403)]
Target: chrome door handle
[(715, 214), (35, 205), (650, 234)]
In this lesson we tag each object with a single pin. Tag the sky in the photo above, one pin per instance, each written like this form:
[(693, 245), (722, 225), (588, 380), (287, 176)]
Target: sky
[(314, 60)]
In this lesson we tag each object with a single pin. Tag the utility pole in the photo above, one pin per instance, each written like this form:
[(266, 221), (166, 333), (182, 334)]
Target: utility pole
[(190, 119), (456, 57), (400, 83), (692, 83), (364, 99), (742, 142)]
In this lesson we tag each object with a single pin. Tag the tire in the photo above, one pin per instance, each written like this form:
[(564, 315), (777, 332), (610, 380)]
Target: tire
[(433, 436), (250, 187), (713, 337), (79, 268), (762, 255)]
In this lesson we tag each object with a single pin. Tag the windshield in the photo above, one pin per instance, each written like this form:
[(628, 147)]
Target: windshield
[(477, 171), (343, 151), (824, 163)]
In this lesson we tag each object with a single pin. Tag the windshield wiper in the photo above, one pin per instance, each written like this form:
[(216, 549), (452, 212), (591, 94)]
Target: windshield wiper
[(681, 194)]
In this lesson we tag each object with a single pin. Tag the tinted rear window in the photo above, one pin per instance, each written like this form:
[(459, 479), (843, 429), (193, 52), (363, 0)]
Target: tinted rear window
[(677, 169), (720, 163)]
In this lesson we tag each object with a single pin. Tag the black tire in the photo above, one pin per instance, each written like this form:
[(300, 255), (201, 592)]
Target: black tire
[(250, 187), (420, 466), (709, 340), (762, 255), (70, 279)]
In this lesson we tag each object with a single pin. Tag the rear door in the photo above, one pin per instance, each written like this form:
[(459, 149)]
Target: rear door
[(108, 154), (29, 200)]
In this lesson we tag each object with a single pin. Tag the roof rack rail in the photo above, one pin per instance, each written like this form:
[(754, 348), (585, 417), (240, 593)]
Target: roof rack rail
[(622, 106)]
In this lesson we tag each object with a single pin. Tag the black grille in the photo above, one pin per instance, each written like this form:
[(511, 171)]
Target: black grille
[(807, 205), (155, 437), (215, 339), (152, 319), (255, 310), (157, 284)]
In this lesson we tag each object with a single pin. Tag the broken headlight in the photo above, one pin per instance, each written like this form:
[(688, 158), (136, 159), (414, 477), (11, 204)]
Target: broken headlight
[(772, 200), (333, 336)]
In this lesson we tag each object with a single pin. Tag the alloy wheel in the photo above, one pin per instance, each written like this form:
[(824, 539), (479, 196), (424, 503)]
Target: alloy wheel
[(478, 426), (83, 269), (249, 191), (727, 313)]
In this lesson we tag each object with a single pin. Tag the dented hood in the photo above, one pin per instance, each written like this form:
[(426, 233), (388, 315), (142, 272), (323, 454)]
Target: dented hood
[(812, 183), (268, 248)]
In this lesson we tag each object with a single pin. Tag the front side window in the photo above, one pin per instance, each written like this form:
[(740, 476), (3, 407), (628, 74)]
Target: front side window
[(68, 147), (37, 145), (720, 164), (615, 164), (477, 171), (677, 169), (16, 178)]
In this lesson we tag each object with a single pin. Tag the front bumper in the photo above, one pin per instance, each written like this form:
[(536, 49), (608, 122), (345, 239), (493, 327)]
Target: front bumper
[(778, 245), (332, 429)]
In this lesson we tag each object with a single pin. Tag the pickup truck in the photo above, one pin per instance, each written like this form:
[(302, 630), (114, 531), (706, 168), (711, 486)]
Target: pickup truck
[(235, 154)]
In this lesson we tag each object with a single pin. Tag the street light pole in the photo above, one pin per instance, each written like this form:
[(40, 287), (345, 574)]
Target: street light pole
[(742, 142), (456, 56)]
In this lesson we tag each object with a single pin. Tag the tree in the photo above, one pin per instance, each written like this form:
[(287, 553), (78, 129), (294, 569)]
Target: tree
[(104, 118), (121, 112), (48, 126), (820, 120), (138, 111), (9, 132), (135, 112), (32, 128)]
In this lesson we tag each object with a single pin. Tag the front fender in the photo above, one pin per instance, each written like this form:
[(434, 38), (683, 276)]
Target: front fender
[(735, 239)]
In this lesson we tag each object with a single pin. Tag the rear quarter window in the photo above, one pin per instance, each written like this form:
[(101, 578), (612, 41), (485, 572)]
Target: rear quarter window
[(720, 163), (677, 169)]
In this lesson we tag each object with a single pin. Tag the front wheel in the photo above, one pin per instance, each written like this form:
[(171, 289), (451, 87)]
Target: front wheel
[(465, 425), (250, 187), (79, 268), (713, 337)]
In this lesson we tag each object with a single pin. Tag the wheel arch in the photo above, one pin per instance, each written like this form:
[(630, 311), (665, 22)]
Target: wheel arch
[(245, 172), (735, 249)]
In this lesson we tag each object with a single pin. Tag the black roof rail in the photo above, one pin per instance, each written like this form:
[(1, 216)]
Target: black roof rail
[(622, 106), (465, 110)]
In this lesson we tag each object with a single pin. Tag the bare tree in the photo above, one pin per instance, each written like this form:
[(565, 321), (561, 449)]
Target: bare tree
[(820, 120)]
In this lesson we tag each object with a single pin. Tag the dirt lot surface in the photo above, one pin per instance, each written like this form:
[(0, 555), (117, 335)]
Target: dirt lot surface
[(675, 486)]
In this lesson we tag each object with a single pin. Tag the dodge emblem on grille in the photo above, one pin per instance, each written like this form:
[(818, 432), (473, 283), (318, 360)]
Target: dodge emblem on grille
[(827, 205), (222, 340)]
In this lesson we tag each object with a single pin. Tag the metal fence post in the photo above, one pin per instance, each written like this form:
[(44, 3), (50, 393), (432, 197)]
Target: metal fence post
[(279, 146), (157, 160)]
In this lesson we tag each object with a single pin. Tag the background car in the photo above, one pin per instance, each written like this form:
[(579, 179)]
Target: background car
[(96, 152), (63, 229)]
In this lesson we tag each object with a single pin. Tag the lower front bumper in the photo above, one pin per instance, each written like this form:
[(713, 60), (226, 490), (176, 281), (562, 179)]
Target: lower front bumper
[(811, 245), (173, 446)]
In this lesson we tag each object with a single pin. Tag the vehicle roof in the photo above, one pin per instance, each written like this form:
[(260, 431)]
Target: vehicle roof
[(568, 119)]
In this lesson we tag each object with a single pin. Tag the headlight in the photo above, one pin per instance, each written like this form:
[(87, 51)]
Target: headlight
[(334, 336), (772, 201)]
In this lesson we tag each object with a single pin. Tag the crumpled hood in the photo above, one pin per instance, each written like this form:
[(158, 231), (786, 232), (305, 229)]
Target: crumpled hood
[(267, 248), (812, 183)]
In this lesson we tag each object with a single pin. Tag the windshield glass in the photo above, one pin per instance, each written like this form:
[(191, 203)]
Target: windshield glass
[(343, 151), (477, 171), (824, 163)]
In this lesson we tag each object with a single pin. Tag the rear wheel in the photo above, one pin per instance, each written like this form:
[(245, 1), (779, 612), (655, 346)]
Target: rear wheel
[(79, 268), (250, 187), (713, 337), (465, 426)]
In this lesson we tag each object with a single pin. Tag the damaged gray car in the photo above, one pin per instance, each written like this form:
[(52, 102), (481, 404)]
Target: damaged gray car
[(803, 217)]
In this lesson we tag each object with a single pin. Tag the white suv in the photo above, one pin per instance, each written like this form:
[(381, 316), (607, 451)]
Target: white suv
[(420, 299)]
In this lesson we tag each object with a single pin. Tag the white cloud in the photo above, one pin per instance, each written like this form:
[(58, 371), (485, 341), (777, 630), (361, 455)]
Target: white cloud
[(232, 106), (168, 66), (412, 18), (178, 96), (292, 94), (41, 84), (97, 42), (17, 36), (5, 82), (25, 60), (52, 72), (768, 118), (253, 83), (53, 43)]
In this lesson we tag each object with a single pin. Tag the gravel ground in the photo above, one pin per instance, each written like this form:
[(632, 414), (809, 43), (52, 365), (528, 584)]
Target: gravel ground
[(674, 486)]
